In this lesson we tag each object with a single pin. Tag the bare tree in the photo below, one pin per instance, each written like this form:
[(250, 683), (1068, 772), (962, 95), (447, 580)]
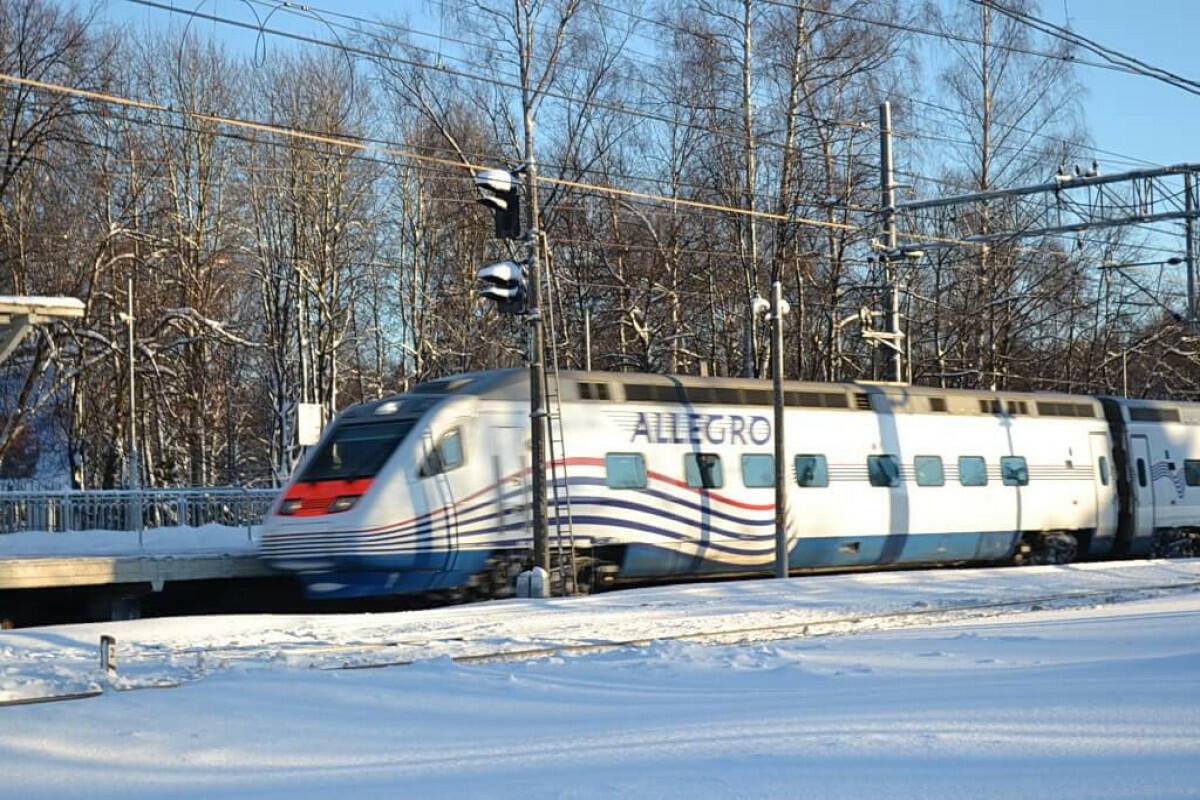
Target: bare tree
[(1005, 99), (312, 206), (42, 247)]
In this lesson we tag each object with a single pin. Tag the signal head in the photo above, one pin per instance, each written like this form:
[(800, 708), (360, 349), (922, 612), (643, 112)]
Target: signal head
[(503, 282), (496, 186)]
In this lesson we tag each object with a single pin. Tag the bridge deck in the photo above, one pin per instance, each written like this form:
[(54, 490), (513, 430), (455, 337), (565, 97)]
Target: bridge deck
[(43, 572)]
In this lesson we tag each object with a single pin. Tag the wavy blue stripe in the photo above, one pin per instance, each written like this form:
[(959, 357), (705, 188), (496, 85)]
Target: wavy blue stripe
[(423, 526), (705, 547)]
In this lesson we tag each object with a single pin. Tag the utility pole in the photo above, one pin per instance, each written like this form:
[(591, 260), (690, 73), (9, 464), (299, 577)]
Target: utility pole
[(1189, 205), (587, 335), (537, 366), (893, 350), (134, 479), (781, 549), (134, 467)]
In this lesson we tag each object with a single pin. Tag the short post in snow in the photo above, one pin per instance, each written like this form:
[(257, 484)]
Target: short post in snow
[(108, 655)]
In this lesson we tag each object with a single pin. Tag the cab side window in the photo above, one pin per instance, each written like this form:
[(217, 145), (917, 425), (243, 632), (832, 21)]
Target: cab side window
[(446, 456)]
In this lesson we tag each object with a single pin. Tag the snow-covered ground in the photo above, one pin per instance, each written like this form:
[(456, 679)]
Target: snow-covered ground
[(1093, 696)]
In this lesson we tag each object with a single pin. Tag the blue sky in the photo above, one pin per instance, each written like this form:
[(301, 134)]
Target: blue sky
[(1134, 115)]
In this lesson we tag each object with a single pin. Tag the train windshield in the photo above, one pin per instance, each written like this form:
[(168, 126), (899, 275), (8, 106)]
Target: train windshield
[(356, 451)]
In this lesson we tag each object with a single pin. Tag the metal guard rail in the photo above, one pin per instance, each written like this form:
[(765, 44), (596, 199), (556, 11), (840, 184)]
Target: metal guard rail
[(124, 510)]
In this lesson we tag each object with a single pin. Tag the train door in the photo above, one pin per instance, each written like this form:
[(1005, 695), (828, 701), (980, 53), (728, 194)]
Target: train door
[(439, 476), (510, 471), (1106, 488), (1143, 490)]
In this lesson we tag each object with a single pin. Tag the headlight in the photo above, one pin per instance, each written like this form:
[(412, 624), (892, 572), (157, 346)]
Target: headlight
[(289, 507), (343, 503)]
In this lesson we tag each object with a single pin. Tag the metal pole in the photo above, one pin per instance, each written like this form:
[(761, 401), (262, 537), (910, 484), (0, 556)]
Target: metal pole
[(134, 470), (893, 357), (537, 367), (1189, 207), (781, 548), (748, 336), (134, 480), (587, 335)]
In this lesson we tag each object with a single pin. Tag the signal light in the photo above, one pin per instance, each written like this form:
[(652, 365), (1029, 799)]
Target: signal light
[(500, 191), (504, 283)]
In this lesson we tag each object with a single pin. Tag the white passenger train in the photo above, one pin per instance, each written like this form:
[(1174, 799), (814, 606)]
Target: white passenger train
[(664, 477)]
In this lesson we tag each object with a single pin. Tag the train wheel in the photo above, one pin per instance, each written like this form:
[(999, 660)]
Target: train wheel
[(584, 574), (1053, 548)]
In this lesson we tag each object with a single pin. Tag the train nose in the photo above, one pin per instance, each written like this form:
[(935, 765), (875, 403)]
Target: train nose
[(319, 499)]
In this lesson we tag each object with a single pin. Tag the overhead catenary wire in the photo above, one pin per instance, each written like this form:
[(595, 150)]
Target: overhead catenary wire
[(310, 10), (277, 130), (865, 124), (1115, 58), (370, 146), (661, 198), (490, 80)]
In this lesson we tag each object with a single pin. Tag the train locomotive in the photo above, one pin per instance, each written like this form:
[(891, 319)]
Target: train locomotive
[(659, 477)]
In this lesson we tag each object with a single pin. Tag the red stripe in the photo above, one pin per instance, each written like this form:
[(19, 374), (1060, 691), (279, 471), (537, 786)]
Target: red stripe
[(329, 490)]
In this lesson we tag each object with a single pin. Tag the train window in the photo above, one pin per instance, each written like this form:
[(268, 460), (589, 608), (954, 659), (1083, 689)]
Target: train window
[(1191, 471), (928, 471), (451, 449), (1141, 471), (883, 470), (758, 470), (972, 471), (625, 471), (356, 451), (589, 390), (446, 456), (703, 470), (811, 470), (1103, 464), (1014, 471)]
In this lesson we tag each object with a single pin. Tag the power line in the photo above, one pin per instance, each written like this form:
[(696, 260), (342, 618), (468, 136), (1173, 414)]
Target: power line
[(277, 130), (490, 80), (1116, 58), (946, 35), (261, 29)]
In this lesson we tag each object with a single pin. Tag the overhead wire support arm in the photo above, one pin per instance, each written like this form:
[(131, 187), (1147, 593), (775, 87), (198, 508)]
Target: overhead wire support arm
[(1060, 182)]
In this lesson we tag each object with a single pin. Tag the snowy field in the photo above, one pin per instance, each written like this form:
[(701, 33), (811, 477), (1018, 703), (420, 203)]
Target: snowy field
[(888, 686)]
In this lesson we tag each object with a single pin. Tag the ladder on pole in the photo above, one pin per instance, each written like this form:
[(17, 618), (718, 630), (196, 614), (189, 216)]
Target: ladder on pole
[(559, 479)]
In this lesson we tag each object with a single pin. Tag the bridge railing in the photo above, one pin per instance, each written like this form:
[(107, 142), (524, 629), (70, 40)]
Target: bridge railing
[(121, 510)]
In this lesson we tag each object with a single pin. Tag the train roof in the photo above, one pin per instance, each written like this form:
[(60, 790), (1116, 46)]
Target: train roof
[(691, 390), (862, 396), (1134, 409)]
